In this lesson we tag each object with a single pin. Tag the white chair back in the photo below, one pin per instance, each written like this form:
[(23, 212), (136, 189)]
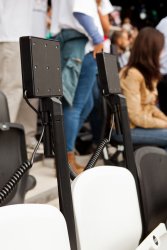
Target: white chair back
[(106, 209), (32, 227)]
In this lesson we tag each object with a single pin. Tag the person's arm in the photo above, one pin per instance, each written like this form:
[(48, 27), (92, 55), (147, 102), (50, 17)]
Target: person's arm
[(88, 23), (105, 23)]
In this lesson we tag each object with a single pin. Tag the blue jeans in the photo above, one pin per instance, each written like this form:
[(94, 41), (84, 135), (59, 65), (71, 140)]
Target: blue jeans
[(74, 116), (96, 117), (146, 136)]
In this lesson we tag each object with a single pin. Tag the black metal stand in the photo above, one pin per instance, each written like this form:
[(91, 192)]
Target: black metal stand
[(41, 73), (118, 103), (54, 143), (110, 86)]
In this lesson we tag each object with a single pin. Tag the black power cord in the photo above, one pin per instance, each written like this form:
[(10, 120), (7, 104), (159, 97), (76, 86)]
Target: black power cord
[(13, 181), (18, 174), (96, 154), (99, 149)]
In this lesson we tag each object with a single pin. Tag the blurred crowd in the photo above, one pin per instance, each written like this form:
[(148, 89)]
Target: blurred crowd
[(85, 28)]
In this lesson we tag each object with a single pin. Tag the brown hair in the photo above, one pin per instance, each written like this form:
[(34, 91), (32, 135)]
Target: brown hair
[(145, 55)]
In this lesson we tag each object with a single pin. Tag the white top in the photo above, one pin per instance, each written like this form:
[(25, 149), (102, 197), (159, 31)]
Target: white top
[(106, 7), (62, 15), (39, 28), (162, 26), (18, 19)]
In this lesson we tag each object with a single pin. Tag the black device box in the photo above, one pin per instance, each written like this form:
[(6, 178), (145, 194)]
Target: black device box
[(41, 67), (108, 73)]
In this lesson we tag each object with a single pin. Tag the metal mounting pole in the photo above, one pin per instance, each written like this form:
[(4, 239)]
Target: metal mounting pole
[(56, 129)]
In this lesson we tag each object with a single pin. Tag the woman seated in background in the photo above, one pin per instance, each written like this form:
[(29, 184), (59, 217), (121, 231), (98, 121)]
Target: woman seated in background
[(139, 85)]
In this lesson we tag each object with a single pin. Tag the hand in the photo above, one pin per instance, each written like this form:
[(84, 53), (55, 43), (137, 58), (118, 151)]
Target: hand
[(97, 48)]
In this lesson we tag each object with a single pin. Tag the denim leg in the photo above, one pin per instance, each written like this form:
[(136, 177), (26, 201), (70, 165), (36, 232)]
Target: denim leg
[(86, 111), (143, 136), (96, 116), (82, 105), (157, 137)]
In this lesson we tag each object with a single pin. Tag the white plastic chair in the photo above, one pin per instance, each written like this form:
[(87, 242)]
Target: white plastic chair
[(32, 227), (156, 240), (106, 209)]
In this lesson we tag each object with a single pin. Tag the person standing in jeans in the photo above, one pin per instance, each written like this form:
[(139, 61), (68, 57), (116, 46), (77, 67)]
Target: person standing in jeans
[(79, 70)]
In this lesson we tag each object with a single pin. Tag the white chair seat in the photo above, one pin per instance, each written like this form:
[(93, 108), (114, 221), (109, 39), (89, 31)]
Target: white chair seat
[(32, 227)]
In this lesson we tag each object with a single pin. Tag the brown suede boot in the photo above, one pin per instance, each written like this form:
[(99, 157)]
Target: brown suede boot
[(73, 164)]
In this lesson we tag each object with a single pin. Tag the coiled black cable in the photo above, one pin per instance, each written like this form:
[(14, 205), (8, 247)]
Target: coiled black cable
[(97, 153), (92, 160), (13, 181), (99, 149)]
